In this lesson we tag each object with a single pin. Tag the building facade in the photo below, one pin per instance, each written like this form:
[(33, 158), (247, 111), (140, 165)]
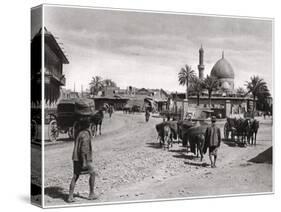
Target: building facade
[(54, 77)]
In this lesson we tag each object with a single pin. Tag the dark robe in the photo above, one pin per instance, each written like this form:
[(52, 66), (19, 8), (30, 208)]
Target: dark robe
[(212, 137)]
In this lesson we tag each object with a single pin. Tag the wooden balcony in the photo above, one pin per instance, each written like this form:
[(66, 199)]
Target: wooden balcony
[(51, 77)]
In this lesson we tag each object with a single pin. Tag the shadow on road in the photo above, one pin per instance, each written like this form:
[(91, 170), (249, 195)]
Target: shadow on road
[(184, 156), (194, 163), (154, 145), (56, 193), (66, 139), (229, 142), (191, 159), (178, 150)]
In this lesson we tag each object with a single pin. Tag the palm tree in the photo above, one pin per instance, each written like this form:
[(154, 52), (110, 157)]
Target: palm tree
[(185, 76), (96, 85), (240, 91), (197, 87), (211, 84), (109, 83), (262, 97), (256, 86)]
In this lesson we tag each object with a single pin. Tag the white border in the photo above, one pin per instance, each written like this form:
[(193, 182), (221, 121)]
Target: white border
[(157, 12), (274, 108), (43, 108), (170, 199)]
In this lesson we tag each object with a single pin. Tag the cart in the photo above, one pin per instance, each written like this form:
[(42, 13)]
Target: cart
[(69, 113)]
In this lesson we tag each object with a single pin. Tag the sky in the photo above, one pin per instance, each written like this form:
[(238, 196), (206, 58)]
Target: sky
[(145, 49)]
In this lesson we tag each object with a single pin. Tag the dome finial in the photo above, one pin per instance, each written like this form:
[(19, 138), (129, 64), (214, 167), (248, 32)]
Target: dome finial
[(222, 56)]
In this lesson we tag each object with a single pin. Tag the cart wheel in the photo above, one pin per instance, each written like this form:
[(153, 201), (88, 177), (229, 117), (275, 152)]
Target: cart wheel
[(53, 130), (50, 118), (34, 130), (225, 130), (93, 130)]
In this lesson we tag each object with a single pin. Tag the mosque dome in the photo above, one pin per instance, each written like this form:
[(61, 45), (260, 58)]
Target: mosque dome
[(222, 69)]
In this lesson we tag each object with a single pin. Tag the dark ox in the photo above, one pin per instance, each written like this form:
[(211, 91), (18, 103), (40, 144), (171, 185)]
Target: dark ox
[(195, 136), (243, 128), (97, 122), (162, 130), (254, 131), (240, 129), (183, 126)]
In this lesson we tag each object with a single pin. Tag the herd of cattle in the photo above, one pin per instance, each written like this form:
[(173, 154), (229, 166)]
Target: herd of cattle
[(131, 109), (192, 133), (244, 130)]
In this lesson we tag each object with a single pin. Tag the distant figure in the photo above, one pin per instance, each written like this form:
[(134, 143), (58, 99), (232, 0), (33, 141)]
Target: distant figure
[(168, 116), (82, 159), (147, 114), (212, 141), (110, 111)]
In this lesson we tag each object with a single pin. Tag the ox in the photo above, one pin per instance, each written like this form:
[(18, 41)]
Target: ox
[(160, 131), (97, 122), (183, 127), (243, 129), (254, 131), (195, 136), (168, 137)]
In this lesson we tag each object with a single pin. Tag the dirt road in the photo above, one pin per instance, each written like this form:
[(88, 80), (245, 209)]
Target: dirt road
[(131, 166)]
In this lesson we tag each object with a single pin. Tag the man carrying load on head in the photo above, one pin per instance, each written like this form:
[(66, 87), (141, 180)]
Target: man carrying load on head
[(82, 159)]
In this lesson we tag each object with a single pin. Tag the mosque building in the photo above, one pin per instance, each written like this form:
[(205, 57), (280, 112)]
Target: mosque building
[(224, 101)]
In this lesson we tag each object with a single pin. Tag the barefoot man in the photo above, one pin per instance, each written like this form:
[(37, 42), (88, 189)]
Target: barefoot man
[(212, 141), (82, 159)]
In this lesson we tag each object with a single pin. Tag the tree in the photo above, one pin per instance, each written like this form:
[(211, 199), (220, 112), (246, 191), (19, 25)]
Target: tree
[(96, 85), (211, 84), (197, 87), (240, 91), (257, 87), (109, 83), (185, 76), (262, 99)]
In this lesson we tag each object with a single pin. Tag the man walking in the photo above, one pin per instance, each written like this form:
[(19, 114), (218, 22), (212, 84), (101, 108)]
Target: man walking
[(82, 159), (110, 110), (212, 141), (147, 114)]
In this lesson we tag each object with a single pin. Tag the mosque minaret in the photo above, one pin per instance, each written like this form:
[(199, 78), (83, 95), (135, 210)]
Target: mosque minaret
[(201, 66)]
